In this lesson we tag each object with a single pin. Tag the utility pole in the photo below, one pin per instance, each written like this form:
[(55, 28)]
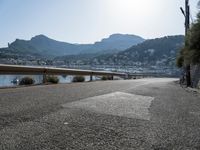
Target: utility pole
[(187, 27), (186, 13)]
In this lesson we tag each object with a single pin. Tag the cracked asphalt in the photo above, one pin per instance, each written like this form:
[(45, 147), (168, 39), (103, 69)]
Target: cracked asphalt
[(144, 114)]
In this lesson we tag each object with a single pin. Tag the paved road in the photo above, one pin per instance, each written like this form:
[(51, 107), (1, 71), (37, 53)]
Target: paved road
[(142, 114)]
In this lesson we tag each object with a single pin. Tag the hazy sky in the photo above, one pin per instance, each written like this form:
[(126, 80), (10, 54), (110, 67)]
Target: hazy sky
[(87, 21)]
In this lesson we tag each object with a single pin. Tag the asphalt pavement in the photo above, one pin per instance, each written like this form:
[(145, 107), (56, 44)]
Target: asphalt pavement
[(143, 114)]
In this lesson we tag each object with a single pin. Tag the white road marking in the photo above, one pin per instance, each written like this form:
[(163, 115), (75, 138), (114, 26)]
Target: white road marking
[(117, 103)]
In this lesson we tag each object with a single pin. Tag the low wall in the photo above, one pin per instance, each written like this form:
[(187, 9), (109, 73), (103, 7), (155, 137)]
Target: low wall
[(195, 75)]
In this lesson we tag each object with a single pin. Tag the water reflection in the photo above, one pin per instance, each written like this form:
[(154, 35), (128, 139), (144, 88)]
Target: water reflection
[(13, 80)]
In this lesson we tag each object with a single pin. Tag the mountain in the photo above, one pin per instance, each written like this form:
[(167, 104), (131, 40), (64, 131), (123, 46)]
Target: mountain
[(160, 51), (153, 52), (114, 43), (43, 46)]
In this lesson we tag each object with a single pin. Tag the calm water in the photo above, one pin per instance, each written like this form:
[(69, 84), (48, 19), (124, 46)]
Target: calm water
[(7, 80)]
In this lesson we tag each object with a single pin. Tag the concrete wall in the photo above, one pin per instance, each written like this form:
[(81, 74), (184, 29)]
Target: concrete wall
[(195, 75)]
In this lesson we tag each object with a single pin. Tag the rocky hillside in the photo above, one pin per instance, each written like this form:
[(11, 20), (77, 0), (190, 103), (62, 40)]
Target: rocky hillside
[(154, 52), (43, 46)]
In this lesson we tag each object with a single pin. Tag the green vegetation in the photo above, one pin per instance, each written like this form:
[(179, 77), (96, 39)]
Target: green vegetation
[(106, 78), (78, 79), (27, 81), (52, 79), (180, 59), (190, 54)]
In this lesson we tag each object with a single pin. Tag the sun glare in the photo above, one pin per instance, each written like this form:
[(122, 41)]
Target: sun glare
[(132, 6)]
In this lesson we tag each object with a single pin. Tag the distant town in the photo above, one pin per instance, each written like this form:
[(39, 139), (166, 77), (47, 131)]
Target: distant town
[(142, 56)]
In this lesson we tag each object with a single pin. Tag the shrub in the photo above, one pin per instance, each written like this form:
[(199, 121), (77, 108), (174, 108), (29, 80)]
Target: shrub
[(106, 78), (179, 61), (52, 79), (26, 81), (190, 54), (103, 78), (78, 79)]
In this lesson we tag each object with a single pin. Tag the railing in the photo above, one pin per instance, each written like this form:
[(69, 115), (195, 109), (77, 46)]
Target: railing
[(31, 70), (145, 75)]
